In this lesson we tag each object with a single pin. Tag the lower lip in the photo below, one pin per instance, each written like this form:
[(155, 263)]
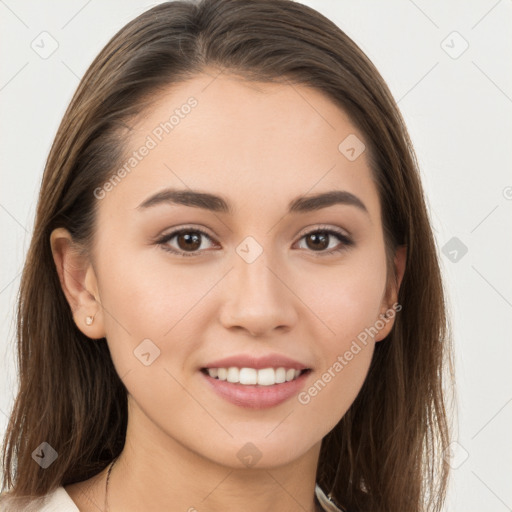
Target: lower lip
[(256, 397)]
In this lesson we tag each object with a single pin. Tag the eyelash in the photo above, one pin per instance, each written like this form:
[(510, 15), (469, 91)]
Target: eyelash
[(346, 242)]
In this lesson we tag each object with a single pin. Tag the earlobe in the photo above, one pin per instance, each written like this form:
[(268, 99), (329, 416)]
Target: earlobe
[(78, 283)]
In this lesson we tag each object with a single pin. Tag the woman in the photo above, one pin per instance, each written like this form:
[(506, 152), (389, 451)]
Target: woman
[(232, 298)]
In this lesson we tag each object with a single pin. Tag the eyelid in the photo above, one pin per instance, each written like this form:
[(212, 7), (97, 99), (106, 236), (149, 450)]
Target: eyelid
[(184, 227), (323, 227)]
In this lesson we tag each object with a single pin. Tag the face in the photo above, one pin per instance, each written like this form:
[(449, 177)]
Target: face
[(194, 288)]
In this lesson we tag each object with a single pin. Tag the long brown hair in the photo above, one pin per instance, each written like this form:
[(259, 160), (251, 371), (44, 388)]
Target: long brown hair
[(386, 453)]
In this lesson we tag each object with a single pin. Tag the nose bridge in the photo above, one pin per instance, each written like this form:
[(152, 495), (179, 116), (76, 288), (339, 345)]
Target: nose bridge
[(254, 280), (257, 300)]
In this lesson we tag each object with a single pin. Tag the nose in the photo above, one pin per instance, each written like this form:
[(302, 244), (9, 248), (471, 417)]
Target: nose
[(258, 299)]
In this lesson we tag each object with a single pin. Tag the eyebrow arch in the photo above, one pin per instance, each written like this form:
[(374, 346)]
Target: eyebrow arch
[(301, 204)]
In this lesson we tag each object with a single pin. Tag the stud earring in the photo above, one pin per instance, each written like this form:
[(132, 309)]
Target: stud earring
[(89, 320)]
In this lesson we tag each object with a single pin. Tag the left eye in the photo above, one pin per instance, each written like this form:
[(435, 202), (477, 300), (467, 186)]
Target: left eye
[(189, 241), (320, 238)]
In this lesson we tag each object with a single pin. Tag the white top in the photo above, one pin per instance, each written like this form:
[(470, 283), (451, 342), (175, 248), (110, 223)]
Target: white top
[(60, 501), (56, 501)]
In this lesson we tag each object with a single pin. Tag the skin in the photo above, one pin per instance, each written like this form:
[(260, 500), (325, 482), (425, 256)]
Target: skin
[(259, 146)]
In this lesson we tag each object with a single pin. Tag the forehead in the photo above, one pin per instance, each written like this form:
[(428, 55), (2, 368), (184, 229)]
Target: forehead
[(241, 139)]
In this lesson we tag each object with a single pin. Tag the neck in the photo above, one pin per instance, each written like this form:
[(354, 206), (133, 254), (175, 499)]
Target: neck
[(143, 486), (151, 476)]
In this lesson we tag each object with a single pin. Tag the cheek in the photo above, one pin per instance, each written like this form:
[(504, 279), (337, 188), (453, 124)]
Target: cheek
[(344, 356), (334, 387), (144, 300), (149, 293), (347, 298), (349, 303)]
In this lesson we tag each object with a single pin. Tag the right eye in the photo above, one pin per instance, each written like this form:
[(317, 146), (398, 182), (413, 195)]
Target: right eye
[(188, 240)]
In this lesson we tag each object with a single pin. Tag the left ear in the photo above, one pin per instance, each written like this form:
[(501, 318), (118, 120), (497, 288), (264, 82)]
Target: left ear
[(388, 312)]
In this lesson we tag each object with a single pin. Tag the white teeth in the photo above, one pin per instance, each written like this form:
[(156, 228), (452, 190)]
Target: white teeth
[(248, 376), (233, 374), (251, 376), (280, 375), (266, 377)]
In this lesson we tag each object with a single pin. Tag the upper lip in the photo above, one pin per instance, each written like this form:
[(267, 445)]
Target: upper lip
[(257, 362)]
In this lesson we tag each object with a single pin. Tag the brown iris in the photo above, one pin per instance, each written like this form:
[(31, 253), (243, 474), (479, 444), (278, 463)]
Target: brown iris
[(320, 240), (191, 241)]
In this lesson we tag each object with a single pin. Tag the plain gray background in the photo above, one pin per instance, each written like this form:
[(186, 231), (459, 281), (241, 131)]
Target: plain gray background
[(448, 67)]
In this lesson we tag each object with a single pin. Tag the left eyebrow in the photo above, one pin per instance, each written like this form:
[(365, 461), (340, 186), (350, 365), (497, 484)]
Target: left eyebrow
[(301, 204), (323, 200)]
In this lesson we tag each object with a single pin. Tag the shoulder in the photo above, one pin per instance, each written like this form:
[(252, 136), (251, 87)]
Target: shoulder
[(57, 500)]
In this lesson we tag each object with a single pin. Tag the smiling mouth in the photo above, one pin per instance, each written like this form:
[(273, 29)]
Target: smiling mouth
[(252, 376)]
